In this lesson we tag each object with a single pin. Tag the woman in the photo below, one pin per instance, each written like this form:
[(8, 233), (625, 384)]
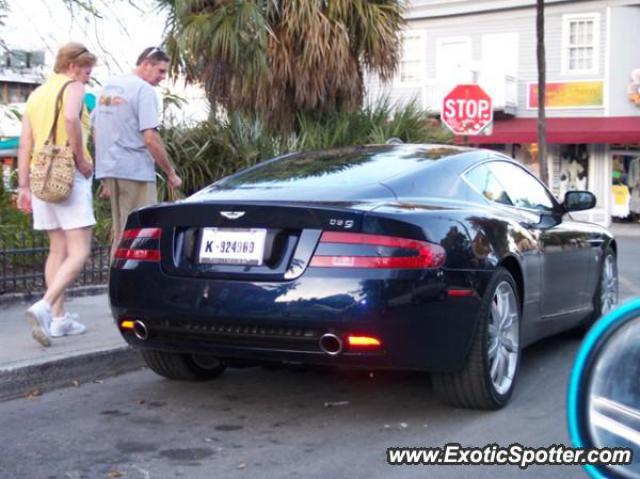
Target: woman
[(69, 223)]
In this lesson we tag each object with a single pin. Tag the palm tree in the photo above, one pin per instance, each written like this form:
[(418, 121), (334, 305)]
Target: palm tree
[(280, 58), (542, 87)]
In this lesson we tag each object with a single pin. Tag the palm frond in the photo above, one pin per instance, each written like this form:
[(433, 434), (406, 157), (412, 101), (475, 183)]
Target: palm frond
[(281, 58)]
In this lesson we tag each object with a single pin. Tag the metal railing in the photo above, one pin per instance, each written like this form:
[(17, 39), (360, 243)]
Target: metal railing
[(502, 88), (23, 255)]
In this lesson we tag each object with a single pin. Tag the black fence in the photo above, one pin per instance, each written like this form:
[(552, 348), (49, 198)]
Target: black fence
[(22, 259)]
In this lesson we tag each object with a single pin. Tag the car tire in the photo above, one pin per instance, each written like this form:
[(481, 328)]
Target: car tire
[(184, 367), (608, 278), (489, 375)]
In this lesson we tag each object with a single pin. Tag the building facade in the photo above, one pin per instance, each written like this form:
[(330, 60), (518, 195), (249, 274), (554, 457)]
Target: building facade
[(21, 72), (593, 85)]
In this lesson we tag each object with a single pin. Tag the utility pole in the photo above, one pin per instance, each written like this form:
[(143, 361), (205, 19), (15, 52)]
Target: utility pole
[(542, 87)]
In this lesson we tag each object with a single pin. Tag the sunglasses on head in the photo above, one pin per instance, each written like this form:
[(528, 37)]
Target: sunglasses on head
[(153, 51), (84, 50)]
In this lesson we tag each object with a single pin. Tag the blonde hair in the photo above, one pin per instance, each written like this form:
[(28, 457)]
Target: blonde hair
[(73, 53)]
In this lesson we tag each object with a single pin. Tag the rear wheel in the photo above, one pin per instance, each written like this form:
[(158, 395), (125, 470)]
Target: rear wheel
[(189, 367), (489, 375)]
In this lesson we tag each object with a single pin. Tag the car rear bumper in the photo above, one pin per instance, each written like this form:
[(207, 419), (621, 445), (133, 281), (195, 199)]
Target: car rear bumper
[(420, 326)]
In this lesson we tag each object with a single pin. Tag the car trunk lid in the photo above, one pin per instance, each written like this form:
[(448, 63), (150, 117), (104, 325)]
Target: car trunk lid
[(269, 241)]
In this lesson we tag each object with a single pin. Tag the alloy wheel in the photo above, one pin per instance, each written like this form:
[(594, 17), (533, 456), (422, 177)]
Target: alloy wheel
[(503, 337), (608, 285)]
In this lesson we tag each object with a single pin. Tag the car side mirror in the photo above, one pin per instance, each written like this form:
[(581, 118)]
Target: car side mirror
[(603, 404), (578, 200)]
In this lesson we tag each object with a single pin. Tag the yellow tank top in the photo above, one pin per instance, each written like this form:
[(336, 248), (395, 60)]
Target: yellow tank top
[(40, 109)]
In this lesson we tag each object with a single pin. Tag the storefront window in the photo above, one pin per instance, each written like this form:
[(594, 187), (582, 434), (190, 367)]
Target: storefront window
[(573, 169), (528, 156), (625, 185)]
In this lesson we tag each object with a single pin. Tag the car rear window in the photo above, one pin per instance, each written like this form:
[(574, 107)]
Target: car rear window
[(354, 166)]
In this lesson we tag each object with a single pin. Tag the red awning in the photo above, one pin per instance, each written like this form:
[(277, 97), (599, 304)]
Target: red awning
[(622, 129)]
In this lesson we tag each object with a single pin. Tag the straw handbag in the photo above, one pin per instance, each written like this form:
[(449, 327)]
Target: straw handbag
[(54, 167)]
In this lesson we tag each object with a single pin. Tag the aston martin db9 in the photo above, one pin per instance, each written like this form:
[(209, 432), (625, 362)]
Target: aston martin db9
[(406, 257)]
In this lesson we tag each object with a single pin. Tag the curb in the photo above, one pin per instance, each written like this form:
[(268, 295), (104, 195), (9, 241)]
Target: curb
[(34, 379)]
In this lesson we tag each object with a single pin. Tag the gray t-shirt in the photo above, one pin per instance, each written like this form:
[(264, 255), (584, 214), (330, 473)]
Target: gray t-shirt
[(127, 106)]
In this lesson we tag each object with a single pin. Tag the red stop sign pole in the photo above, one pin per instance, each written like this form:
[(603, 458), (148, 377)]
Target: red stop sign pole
[(467, 110)]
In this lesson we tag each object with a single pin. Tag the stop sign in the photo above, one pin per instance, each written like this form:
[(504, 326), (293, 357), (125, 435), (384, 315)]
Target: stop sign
[(467, 110)]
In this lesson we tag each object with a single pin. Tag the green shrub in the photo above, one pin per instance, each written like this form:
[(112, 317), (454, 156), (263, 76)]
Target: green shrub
[(211, 150), (10, 216), (102, 211), (14, 224)]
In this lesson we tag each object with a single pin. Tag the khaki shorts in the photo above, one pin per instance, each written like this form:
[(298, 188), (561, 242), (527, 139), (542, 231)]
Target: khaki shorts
[(126, 197)]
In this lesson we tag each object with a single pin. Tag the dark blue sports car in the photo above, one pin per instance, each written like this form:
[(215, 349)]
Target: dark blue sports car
[(407, 257)]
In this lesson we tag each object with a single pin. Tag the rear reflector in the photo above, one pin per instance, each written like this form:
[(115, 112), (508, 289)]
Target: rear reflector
[(364, 341), (135, 243), (399, 253), (458, 293)]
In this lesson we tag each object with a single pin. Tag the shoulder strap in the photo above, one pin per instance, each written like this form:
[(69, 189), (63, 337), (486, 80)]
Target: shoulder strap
[(54, 128)]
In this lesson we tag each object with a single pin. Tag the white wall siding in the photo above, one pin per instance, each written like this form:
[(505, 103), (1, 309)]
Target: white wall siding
[(396, 90), (435, 8), (475, 19), (523, 23), (554, 57), (624, 57)]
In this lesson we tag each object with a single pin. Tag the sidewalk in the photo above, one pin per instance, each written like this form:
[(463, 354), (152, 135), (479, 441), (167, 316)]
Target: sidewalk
[(625, 229), (28, 368)]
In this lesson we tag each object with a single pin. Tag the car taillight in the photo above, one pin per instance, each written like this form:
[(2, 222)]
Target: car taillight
[(140, 244), (357, 250)]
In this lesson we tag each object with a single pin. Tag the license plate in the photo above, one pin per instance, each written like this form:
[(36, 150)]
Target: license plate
[(232, 246)]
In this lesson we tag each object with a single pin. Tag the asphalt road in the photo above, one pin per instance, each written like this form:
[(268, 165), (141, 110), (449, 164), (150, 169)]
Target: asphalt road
[(273, 424), (629, 267)]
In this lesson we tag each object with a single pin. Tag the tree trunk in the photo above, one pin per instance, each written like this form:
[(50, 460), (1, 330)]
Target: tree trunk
[(542, 87)]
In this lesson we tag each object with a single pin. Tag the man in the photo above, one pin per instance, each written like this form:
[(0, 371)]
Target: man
[(128, 144)]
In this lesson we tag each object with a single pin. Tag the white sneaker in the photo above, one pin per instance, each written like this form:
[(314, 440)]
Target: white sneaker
[(66, 326), (39, 318)]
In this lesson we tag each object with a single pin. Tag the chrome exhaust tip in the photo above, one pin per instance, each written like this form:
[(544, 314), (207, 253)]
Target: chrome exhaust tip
[(140, 330), (330, 344)]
